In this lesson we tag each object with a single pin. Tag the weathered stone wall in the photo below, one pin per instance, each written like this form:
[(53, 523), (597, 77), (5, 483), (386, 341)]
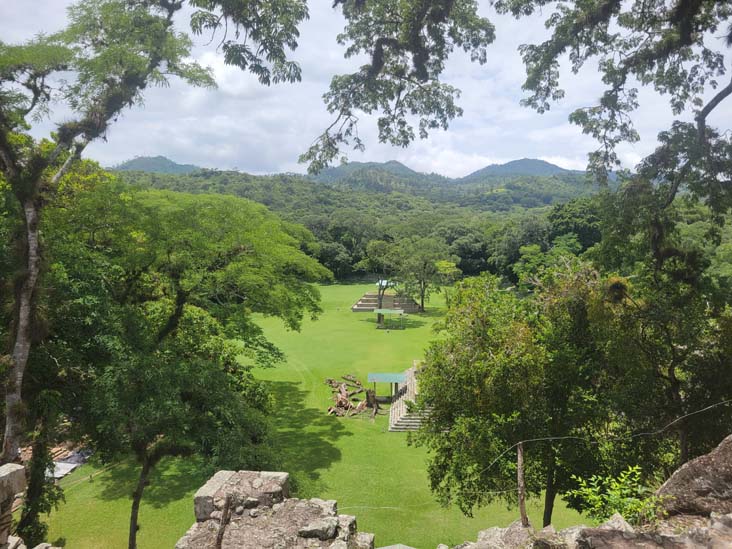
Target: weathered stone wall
[(252, 510)]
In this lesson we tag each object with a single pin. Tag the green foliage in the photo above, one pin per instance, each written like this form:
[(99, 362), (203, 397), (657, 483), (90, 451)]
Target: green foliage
[(534, 264), (352, 207), (483, 381), (149, 335), (407, 44), (423, 264), (601, 497)]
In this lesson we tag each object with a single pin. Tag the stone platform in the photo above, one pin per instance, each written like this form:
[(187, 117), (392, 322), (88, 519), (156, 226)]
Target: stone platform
[(252, 510)]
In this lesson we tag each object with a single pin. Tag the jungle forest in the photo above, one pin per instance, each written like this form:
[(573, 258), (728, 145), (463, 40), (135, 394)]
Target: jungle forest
[(166, 321)]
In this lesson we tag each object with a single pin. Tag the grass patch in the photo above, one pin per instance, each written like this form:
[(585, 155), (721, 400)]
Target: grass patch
[(372, 473), (98, 498)]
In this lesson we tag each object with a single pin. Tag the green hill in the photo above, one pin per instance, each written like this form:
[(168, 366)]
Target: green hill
[(155, 164), (525, 166)]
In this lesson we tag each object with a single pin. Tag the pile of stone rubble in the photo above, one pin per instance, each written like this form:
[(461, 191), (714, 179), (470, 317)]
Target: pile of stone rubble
[(251, 510)]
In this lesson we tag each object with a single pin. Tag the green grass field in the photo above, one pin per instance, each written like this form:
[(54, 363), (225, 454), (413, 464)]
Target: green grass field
[(372, 473)]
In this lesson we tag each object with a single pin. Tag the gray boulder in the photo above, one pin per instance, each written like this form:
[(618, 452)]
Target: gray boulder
[(513, 537), (322, 529), (702, 485), (716, 533)]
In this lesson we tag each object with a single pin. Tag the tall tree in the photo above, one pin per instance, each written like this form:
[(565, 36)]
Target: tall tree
[(109, 54), (149, 323), (419, 268), (512, 369)]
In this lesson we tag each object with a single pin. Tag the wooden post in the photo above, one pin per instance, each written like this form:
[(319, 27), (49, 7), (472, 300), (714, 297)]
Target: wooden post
[(521, 485)]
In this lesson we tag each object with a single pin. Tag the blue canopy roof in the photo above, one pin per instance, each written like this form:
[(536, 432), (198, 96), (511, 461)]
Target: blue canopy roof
[(387, 378)]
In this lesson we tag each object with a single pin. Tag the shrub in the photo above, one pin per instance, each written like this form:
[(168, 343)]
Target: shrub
[(601, 497)]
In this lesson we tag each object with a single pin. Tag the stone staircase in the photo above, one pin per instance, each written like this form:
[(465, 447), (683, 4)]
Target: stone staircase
[(400, 418), (370, 301)]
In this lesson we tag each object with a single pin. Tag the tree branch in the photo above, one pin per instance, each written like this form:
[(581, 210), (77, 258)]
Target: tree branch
[(75, 155), (701, 118)]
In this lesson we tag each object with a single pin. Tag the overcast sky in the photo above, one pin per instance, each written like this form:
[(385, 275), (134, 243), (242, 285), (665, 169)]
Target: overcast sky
[(261, 129)]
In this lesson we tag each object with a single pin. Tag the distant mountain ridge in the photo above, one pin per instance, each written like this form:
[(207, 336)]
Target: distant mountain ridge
[(155, 164), (524, 166)]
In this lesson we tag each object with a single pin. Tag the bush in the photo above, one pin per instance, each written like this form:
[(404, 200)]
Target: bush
[(601, 497)]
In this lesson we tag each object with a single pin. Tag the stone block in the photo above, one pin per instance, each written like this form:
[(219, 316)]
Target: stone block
[(364, 541), (330, 506), (203, 500), (346, 527), (323, 529), (12, 480)]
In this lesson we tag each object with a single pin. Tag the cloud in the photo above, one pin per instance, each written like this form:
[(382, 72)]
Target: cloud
[(263, 129)]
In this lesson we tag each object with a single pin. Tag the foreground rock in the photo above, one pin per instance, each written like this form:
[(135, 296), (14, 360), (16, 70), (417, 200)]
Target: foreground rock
[(714, 532), (514, 536), (703, 485), (252, 510)]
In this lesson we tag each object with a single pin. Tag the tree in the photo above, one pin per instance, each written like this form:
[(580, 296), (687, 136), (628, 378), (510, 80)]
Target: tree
[(483, 384), (513, 369), (102, 77), (382, 259), (419, 266), (581, 217), (534, 264), (150, 334), (189, 397), (505, 249), (335, 256)]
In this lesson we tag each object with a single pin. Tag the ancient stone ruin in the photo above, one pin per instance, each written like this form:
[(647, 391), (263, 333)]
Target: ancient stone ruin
[(12, 482), (252, 510)]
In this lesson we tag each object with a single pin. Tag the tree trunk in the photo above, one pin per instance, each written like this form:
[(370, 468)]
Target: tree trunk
[(683, 443), (550, 494), (24, 313), (380, 295), (28, 526), (521, 485), (136, 498)]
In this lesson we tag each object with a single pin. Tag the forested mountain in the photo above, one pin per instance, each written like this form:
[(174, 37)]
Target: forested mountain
[(483, 224), (155, 164), (525, 183), (338, 173), (525, 166)]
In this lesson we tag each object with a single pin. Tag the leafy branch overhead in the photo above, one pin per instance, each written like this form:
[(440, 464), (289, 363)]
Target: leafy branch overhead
[(407, 44), (675, 47)]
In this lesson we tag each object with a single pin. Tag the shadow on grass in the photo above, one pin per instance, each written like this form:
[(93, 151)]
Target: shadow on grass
[(304, 438), (170, 480), (411, 321), (304, 441)]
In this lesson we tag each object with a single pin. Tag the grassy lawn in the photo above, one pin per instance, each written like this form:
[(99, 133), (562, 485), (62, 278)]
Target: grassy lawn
[(97, 509), (372, 473)]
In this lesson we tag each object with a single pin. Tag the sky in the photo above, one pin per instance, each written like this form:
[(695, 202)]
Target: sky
[(246, 126)]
